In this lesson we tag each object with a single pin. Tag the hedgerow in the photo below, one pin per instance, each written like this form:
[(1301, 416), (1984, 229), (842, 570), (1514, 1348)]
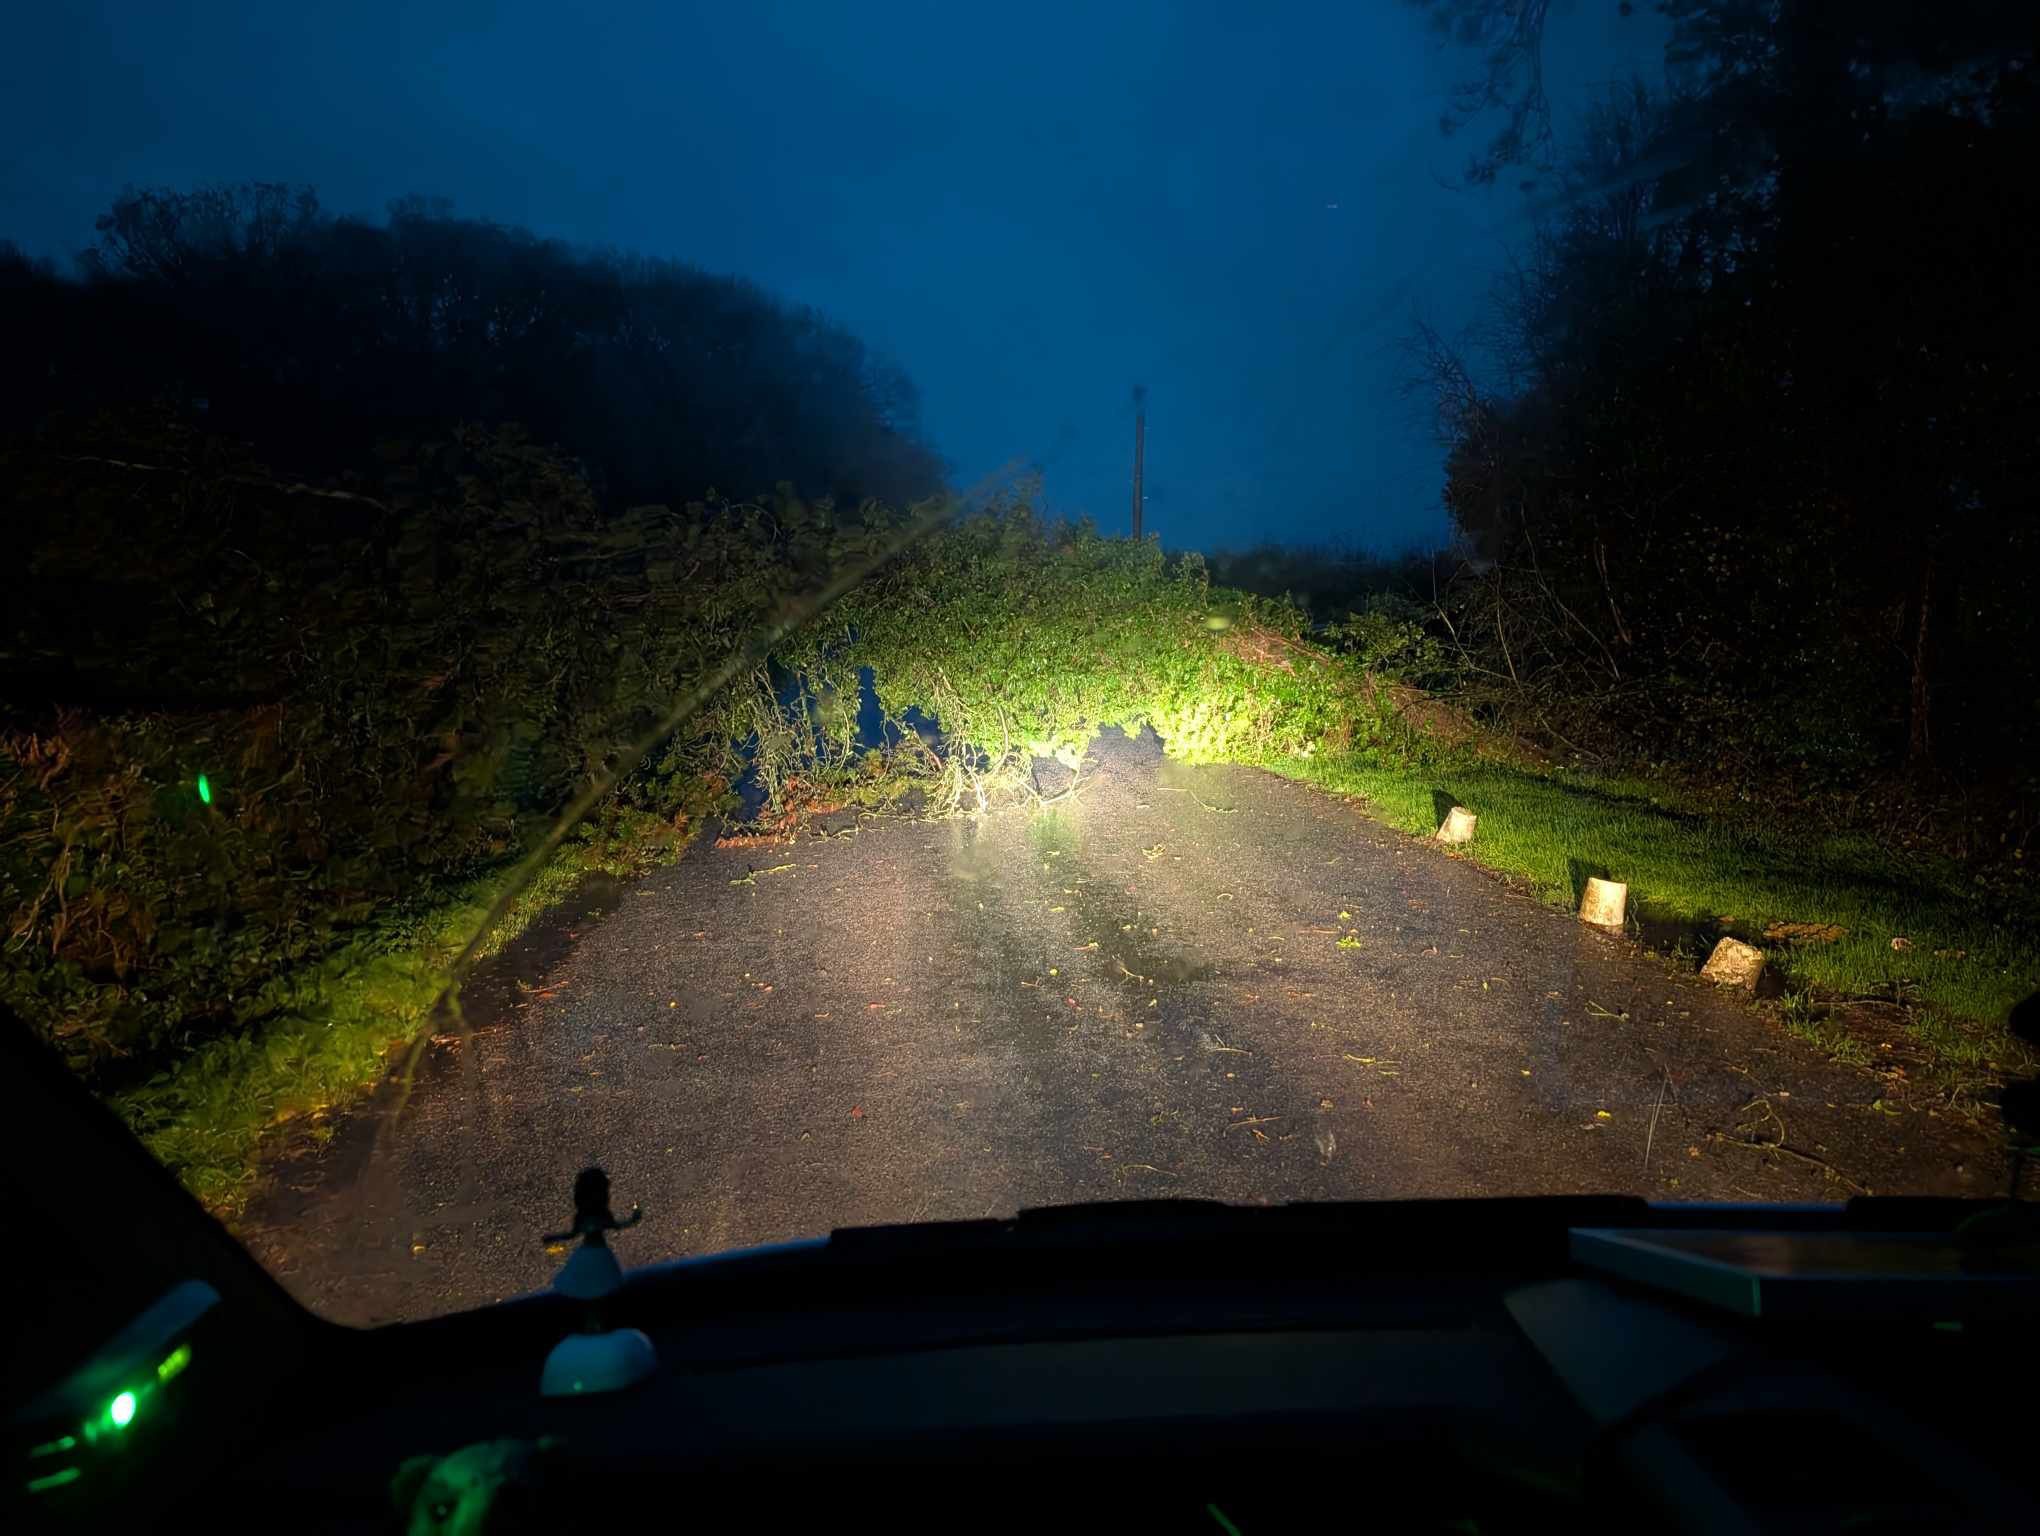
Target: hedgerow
[(1023, 640), (251, 724), (262, 776)]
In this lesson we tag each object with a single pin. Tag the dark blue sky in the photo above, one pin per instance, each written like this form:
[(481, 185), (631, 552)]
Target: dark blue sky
[(1030, 208)]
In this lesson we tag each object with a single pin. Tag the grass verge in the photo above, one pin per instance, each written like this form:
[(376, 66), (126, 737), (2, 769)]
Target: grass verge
[(214, 1116), (1962, 966)]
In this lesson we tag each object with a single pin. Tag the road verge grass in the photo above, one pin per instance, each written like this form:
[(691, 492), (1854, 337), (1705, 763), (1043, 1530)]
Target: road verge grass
[(1024, 641), (1961, 962), (222, 1111)]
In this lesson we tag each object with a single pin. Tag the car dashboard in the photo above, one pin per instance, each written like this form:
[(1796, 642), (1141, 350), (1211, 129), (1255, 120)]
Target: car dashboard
[(1477, 1365)]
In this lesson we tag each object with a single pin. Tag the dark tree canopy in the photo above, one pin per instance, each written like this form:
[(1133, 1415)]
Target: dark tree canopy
[(1738, 56), (396, 532), (304, 331), (1759, 459), (1508, 36)]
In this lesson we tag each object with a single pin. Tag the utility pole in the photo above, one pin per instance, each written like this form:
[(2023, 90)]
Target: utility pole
[(1139, 451)]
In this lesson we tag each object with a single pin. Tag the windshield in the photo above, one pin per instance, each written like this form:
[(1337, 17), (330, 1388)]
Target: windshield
[(878, 616)]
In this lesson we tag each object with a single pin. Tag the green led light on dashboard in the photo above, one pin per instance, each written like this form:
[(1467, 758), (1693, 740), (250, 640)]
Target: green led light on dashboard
[(121, 1411), (173, 1362)]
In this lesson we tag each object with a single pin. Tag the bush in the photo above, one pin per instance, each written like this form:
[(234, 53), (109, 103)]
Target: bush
[(1024, 640), (1390, 636), (291, 714)]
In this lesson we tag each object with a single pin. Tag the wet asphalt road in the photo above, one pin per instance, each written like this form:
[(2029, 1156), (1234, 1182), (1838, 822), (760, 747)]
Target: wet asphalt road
[(1200, 982)]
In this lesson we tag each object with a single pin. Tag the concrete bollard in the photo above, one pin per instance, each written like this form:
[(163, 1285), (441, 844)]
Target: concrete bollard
[(1735, 964), (1604, 903), (1459, 824)]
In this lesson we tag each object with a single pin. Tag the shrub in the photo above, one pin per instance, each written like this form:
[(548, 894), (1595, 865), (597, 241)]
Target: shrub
[(290, 714), (1024, 640)]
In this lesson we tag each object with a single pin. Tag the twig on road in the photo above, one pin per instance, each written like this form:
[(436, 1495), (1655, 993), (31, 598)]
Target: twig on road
[(1793, 1152), (1216, 810), (1652, 1136), (1121, 1169)]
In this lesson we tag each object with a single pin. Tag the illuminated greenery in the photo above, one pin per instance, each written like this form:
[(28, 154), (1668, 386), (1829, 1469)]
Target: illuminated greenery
[(1689, 867), (1023, 640), (210, 1112), (395, 696), (392, 688)]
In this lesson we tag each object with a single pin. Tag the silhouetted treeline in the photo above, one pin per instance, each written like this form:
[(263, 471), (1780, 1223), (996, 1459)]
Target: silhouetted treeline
[(312, 336), (1329, 582), (343, 556), (1751, 449)]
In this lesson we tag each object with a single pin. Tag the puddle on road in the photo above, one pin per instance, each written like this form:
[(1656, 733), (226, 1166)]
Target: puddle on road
[(1103, 913), (991, 935), (1001, 915), (1127, 949)]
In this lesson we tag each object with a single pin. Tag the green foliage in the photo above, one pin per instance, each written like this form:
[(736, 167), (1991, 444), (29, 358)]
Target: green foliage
[(1715, 872), (269, 751), (1391, 636), (1804, 1020), (1023, 641), (1327, 580), (209, 1112), (390, 691), (1687, 556)]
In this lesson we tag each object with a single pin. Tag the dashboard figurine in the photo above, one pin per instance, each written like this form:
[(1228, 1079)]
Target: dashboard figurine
[(592, 1272), (596, 1359)]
